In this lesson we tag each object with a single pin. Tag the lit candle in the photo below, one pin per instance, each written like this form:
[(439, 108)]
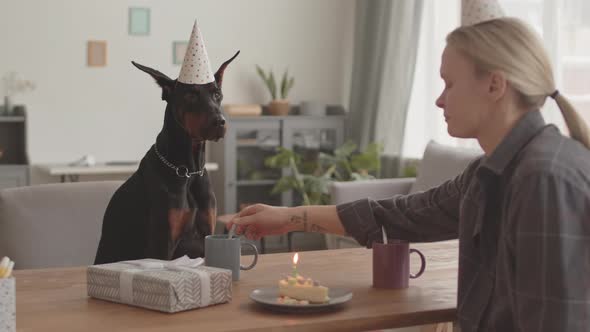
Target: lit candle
[(295, 260)]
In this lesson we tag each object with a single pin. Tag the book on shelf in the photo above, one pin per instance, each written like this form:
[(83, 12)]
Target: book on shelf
[(242, 109)]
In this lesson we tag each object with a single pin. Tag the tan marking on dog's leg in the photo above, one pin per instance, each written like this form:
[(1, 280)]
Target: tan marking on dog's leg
[(177, 221), (212, 215)]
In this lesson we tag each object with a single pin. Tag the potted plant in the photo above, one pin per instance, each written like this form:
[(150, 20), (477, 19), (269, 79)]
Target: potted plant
[(277, 106), (311, 180)]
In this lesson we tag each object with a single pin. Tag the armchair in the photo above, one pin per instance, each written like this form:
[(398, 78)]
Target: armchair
[(53, 225), (439, 163)]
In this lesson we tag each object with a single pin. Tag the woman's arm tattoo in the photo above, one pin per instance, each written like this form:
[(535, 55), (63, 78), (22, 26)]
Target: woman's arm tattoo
[(307, 227), (318, 229), (296, 220)]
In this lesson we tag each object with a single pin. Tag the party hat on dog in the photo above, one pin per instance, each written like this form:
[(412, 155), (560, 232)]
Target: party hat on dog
[(196, 68)]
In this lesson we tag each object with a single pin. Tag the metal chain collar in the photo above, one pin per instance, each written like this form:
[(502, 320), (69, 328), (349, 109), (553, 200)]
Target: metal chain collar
[(181, 171)]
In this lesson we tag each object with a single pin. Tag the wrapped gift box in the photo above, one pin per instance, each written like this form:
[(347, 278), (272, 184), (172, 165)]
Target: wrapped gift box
[(168, 286), (7, 305)]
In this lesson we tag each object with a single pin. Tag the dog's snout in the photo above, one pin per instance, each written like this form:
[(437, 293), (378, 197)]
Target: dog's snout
[(221, 121)]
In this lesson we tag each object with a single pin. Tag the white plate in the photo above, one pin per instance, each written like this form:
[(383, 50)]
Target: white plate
[(267, 297)]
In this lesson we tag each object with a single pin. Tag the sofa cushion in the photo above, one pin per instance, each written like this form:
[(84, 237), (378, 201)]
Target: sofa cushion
[(53, 225), (441, 163)]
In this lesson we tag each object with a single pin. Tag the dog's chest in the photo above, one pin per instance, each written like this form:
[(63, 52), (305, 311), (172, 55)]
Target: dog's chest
[(183, 195), (178, 220)]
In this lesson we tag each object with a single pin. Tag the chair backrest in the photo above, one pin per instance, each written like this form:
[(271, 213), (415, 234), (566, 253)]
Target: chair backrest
[(342, 192), (441, 163), (53, 225)]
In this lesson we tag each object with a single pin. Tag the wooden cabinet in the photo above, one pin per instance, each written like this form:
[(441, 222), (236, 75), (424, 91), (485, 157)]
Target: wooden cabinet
[(14, 169)]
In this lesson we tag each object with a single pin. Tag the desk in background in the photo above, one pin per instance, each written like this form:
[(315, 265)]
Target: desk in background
[(72, 173)]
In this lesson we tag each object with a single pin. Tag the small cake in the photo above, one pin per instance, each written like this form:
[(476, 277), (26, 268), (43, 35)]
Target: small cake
[(300, 290)]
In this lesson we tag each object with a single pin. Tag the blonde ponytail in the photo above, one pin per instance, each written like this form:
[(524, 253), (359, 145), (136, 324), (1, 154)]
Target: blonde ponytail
[(509, 45), (576, 125)]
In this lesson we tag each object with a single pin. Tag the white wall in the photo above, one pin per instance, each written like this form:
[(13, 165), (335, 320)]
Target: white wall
[(115, 112)]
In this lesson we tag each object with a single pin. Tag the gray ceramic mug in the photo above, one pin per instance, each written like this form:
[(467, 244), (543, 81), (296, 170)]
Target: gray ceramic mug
[(224, 252)]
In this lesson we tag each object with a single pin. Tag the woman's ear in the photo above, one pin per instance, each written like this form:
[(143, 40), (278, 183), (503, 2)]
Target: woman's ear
[(497, 85)]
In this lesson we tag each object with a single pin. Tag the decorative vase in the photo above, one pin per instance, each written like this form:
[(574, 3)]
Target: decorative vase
[(279, 107), (7, 105), (312, 108)]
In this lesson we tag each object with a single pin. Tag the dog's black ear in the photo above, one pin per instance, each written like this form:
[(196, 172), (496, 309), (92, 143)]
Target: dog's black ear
[(219, 73), (165, 82)]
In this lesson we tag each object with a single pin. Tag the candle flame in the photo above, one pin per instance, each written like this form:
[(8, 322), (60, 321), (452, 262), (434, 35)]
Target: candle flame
[(295, 258)]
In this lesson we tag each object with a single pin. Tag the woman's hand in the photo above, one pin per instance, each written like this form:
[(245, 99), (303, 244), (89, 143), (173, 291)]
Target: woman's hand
[(261, 220)]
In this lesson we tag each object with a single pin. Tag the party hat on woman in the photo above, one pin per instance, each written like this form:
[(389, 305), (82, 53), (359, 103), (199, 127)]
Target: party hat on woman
[(475, 11)]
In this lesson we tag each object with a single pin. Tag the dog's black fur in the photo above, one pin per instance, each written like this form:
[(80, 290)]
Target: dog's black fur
[(159, 212)]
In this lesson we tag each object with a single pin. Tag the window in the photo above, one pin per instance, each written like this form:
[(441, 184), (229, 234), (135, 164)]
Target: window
[(564, 26), (425, 121)]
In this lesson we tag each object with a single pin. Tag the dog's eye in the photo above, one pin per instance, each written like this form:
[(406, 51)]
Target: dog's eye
[(217, 95)]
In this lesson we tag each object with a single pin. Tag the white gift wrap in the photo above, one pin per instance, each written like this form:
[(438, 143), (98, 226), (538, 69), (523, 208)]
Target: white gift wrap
[(168, 286), (7, 305)]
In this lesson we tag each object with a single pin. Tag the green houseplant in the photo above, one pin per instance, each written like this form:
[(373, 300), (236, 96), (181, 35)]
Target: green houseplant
[(312, 179), (279, 104)]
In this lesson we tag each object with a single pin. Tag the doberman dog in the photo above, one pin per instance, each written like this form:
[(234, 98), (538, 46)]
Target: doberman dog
[(167, 207)]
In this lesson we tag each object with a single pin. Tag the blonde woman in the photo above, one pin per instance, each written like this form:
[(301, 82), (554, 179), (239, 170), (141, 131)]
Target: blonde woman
[(521, 212)]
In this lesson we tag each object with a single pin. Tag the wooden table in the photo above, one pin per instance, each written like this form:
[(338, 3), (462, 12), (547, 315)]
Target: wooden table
[(55, 299)]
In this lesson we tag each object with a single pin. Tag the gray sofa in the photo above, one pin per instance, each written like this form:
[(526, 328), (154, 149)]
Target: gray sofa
[(439, 163), (53, 225)]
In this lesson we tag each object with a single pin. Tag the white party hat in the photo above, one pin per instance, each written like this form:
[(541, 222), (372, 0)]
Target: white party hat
[(196, 68), (475, 11)]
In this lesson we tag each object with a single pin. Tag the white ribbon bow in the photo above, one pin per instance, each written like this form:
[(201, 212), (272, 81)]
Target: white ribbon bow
[(183, 263)]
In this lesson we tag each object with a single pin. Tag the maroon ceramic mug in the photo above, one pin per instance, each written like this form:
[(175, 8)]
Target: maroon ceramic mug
[(391, 264)]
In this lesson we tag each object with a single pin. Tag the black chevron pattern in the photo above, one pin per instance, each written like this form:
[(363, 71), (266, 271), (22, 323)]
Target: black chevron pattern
[(162, 290)]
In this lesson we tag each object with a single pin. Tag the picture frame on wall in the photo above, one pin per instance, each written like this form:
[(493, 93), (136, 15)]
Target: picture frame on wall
[(178, 51), (139, 21), (96, 53)]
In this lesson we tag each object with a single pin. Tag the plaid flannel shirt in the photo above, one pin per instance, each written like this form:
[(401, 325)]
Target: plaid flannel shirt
[(522, 217)]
